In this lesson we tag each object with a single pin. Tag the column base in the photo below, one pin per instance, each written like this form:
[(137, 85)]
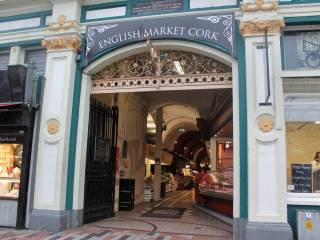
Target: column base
[(76, 218), (239, 228), (267, 231), (49, 220)]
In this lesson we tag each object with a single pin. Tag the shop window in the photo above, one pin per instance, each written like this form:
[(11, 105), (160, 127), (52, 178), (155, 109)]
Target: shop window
[(37, 59), (303, 144), (4, 60), (10, 169), (301, 50)]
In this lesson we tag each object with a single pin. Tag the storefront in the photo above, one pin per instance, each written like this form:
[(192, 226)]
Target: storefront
[(20, 92), (275, 100), (16, 129), (301, 111)]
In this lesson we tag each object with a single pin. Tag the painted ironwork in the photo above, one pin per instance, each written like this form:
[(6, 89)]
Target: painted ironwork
[(142, 65), (174, 68), (100, 172)]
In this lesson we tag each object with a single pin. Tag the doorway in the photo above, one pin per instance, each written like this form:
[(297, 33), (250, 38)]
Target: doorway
[(136, 89)]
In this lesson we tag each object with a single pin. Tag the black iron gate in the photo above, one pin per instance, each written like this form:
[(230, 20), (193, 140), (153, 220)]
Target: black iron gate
[(100, 165)]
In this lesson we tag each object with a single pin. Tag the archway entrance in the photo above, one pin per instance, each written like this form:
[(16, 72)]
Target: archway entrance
[(195, 93)]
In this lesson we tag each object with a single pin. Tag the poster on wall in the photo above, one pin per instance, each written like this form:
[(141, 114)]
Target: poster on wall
[(211, 29), (302, 50), (146, 7)]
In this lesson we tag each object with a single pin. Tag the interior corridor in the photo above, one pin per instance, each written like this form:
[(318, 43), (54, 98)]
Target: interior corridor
[(167, 223)]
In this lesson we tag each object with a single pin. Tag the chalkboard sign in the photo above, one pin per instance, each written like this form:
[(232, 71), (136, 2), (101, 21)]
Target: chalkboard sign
[(154, 7), (302, 177), (102, 149)]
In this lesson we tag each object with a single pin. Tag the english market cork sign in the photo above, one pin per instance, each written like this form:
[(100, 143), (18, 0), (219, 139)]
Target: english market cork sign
[(207, 28)]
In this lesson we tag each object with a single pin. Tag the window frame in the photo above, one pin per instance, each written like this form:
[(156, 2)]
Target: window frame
[(312, 199)]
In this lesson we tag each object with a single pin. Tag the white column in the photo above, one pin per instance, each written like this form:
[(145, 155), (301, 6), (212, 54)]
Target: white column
[(158, 155), (266, 156), (62, 41), (52, 161), (17, 55), (69, 8)]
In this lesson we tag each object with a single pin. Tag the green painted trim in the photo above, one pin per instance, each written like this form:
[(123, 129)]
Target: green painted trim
[(292, 216), (31, 43), (298, 2), (240, 48), (213, 8), (101, 6), (41, 15), (128, 4), (73, 136), (305, 20)]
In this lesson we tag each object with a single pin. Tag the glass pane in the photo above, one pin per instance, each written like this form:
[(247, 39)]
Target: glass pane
[(302, 50), (10, 169), (303, 156)]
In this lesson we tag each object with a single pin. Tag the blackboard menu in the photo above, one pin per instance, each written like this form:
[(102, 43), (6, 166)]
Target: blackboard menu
[(302, 177), (155, 7), (102, 149)]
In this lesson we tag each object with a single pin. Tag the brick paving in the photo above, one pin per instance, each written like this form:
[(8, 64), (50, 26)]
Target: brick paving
[(193, 225)]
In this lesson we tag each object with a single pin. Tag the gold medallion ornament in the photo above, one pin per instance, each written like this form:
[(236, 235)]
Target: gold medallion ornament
[(62, 24), (53, 126), (265, 123), (309, 224), (260, 5), (62, 43), (260, 27)]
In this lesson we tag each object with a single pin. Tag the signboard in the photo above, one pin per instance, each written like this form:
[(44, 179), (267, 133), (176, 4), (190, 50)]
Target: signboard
[(11, 138), (211, 29), (102, 149), (302, 177), (155, 7), (308, 222)]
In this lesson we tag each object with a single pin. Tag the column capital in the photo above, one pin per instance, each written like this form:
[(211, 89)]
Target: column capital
[(63, 42), (259, 27)]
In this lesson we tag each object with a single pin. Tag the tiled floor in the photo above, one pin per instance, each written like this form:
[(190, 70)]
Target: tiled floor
[(131, 225)]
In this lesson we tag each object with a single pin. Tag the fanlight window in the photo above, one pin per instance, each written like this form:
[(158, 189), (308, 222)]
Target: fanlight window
[(169, 63)]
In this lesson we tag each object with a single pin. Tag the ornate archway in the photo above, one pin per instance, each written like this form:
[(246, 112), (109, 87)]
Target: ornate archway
[(127, 52)]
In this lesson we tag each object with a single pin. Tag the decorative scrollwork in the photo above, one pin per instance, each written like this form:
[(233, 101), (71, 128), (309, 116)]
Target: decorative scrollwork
[(142, 65), (91, 33), (227, 22)]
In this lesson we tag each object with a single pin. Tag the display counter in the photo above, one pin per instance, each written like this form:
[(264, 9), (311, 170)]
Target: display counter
[(216, 195)]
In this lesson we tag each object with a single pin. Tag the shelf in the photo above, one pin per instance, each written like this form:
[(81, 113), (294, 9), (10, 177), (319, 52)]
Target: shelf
[(224, 195), (8, 198), (9, 179)]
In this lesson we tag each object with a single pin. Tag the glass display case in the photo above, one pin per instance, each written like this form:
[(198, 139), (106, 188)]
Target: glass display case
[(218, 184), (10, 170), (215, 192)]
